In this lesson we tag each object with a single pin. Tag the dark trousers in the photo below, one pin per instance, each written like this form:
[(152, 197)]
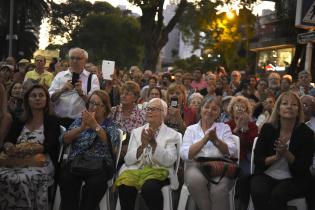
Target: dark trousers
[(150, 191), (92, 192), (273, 194)]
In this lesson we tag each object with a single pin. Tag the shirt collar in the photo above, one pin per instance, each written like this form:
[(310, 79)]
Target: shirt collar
[(85, 73)]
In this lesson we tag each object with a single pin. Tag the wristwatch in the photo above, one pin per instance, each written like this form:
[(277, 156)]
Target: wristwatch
[(98, 128)]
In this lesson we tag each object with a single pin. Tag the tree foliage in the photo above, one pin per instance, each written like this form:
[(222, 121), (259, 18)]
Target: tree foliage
[(27, 18), (111, 37), (219, 37), (67, 16), (99, 28)]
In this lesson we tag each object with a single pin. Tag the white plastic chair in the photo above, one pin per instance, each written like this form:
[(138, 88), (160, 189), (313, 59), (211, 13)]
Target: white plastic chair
[(298, 203), (184, 194), (166, 190), (105, 202)]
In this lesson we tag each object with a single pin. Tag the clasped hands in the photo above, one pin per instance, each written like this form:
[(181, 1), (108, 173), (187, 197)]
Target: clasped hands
[(88, 121), (280, 145), (211, 135), (242, 123), (148, 137)]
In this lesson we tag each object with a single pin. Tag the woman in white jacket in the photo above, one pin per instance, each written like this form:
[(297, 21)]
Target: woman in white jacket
[(149, 160)]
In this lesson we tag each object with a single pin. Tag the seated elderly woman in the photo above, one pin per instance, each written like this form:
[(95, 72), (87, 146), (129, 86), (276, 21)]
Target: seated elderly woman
[(149, 161), (283, 156), (241, 125), (91, 137), (207, 138), (30, 154)]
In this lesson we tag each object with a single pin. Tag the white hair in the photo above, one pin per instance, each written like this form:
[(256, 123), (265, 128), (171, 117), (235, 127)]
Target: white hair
[(194, 95), (162, 102), (85, 53)]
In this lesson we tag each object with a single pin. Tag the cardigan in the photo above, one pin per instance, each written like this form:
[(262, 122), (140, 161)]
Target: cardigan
[(51, 133), (301, 146)]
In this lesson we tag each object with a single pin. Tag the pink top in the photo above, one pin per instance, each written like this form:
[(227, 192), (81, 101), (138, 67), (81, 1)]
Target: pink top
[(198, 86)]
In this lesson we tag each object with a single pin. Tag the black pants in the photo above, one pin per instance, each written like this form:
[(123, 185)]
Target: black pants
[(92, 192), (273, 194), (150, 191)]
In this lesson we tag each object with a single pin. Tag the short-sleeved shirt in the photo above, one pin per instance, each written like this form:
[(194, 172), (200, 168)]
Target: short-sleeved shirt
[(44, 78)]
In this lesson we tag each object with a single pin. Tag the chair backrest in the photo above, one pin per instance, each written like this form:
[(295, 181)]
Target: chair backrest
[(122, 137), (236, 139), (252, 166), (178, 146), (62, 131)]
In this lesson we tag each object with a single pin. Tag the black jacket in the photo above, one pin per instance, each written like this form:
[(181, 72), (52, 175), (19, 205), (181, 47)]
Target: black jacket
[(301, 146), (51, 133)]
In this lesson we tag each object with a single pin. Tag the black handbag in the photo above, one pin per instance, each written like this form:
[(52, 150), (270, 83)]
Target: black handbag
[(84, 165)]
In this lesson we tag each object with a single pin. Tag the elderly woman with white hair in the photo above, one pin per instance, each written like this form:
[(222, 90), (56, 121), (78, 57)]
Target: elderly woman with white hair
[(149, 160), (194, 101)]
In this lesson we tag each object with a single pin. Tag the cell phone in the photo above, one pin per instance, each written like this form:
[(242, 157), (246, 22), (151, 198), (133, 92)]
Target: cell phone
[(174, 102), (75, 78), (108, 68)]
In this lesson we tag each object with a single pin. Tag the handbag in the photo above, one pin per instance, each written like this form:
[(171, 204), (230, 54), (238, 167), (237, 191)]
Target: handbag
[(84, 165), (218, 167)]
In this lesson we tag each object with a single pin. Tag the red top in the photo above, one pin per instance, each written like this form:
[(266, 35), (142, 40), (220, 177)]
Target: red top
[(246, 138)]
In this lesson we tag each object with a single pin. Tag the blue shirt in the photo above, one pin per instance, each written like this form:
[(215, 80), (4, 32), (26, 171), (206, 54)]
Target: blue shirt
[(99, 149)]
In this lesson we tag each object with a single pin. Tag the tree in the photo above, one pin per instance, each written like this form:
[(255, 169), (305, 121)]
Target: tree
[(28, 15), (222, 40), (99, 28), (112, 37), (154, 33)]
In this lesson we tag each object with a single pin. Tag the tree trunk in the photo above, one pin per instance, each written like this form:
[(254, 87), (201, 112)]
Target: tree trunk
[(154, 33)]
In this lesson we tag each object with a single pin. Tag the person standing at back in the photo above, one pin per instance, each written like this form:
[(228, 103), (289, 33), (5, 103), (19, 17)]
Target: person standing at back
[(70, 89), (39, 73)]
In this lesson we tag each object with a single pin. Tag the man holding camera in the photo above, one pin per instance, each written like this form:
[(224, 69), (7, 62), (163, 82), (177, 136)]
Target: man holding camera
[(70, 89)]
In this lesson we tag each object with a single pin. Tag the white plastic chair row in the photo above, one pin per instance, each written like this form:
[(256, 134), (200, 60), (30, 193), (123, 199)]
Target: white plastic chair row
[(298, 203), (184, 195), (166, 190), (105, 202)]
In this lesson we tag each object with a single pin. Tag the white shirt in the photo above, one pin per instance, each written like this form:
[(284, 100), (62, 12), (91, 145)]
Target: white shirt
[(279, 169), (194, 133), (70, 104)]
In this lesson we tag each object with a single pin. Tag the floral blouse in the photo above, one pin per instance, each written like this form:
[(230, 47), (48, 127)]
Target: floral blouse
[(135, 120), (100, 150)]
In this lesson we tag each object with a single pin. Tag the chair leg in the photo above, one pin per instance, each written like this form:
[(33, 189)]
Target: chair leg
[(183, 198)]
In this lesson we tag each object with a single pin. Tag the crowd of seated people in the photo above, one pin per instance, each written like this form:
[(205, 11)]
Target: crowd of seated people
[(196, 114)]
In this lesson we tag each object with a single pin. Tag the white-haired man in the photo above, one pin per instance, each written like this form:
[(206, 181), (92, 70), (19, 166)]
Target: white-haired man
[(70, 89)]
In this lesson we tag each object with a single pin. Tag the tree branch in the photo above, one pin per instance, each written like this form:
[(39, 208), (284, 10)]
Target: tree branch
[(172, 23)]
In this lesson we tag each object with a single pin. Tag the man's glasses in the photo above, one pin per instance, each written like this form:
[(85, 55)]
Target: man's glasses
[(76, 58), (96, 104), (152, 109)]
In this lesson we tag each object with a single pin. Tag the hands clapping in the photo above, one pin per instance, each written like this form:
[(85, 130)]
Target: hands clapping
[(88, 120), (147, 137), (280, 145), (211, 135)]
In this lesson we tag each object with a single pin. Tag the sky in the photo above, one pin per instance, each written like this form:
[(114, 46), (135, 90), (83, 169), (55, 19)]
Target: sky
[(44, 31)]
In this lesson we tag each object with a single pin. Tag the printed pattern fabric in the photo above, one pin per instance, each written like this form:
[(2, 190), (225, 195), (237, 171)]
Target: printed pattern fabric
[(26, 188), (136, 118), (100, 149)]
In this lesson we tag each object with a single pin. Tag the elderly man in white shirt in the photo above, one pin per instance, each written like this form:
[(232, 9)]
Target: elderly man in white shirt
[(207, 138), (69, 94)]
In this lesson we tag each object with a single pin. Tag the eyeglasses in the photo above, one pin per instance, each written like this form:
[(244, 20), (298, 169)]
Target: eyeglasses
[(152, 109), (39, 60), (127, 93), (96, 104), (239, 107), (76, 58)]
